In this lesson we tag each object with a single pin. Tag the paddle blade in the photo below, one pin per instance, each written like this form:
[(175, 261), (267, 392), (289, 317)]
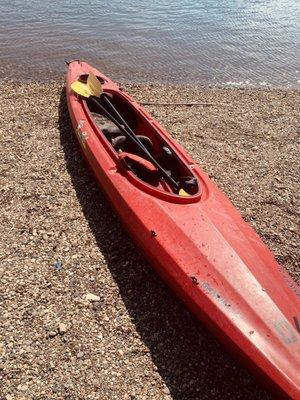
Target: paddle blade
[(94, 85), (81, 88), (183, 193)]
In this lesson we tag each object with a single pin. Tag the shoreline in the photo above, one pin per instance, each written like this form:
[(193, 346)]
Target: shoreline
[(148, 82), (138, 341), (25, 74)]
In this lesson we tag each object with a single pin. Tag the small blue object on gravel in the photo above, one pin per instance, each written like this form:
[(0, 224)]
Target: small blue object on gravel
[(57, 265)]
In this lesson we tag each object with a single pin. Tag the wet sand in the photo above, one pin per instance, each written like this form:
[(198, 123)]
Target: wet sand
[(137, 341)]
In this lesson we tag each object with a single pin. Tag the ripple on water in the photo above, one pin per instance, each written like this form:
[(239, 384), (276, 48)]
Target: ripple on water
[(202, 42)]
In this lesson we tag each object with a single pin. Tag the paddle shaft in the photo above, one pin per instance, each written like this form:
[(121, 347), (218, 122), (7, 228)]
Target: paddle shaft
[(130, 134)]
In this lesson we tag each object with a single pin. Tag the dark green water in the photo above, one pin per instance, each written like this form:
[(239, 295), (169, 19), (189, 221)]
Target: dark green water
[(199, 42)]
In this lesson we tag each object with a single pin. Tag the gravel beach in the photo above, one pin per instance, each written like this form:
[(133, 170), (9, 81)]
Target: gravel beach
[(83, 316)]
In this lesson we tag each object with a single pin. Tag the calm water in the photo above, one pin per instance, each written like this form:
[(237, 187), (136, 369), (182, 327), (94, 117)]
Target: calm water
[(181, 41)]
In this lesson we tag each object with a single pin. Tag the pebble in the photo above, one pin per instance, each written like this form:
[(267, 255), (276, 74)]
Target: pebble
[(62, 328), (80, 354), (51, 365), (166, 390), (57, 265), (52, 334), (22, 388), (92, 297)]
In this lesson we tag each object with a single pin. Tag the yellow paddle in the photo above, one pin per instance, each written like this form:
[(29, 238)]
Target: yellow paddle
[(94, 85), (183, 193), (91, 88), (81, 88)]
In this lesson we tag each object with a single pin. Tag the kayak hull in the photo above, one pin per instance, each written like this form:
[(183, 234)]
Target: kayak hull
[(205, 251)]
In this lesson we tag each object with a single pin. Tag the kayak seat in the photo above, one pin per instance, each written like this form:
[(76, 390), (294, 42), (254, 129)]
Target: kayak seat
[(141, 167), (135, 159)]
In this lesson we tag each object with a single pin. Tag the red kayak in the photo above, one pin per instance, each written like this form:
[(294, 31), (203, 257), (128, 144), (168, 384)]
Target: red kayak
[(192, 235)]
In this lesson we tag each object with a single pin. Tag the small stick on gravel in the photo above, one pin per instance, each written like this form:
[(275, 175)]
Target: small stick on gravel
[(176, 104)]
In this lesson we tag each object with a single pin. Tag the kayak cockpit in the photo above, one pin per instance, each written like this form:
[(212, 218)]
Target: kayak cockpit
[(133, 158)]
